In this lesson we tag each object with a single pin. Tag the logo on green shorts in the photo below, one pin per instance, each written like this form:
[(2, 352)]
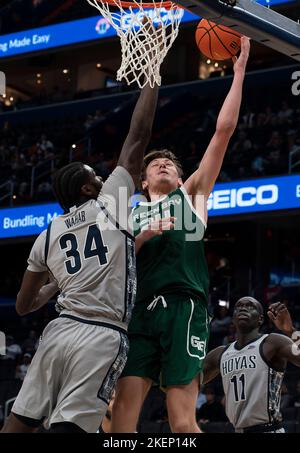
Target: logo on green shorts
[(197, 343)]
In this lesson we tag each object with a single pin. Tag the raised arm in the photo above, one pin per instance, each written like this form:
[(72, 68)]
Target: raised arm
[(280, 349), (203, 179), (211, 367), (139, 134)]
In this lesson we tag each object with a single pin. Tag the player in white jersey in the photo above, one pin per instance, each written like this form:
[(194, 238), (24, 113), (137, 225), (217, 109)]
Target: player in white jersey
[(89, 252), (252, 368)]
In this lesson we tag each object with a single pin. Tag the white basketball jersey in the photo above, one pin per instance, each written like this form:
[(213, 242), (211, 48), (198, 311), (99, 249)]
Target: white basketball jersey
[(91, 257), (251, 387)]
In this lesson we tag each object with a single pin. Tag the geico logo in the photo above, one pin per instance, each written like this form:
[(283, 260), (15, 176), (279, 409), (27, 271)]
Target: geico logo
[(243, 197), (196, 343), (161, 15)]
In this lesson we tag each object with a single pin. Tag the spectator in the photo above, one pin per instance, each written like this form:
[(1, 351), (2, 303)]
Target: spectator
[(295, 400), (13, 350), (285, 113), (258, 166), (275, 142), (21, 370), (231, 335), (44, 191), (30, 342), (24, 192), (44, 144), (266, 117), (285, 397), (201, 400), (212, 410), (248, 119), (99, 115), (192, 159), (102, 167), (221, 322), (243, 144), (89, 122)]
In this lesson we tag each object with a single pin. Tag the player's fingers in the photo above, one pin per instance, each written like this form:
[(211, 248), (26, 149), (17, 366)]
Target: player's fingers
[(245, 46), (148, 25), (167, 226), (165, 223), (274, 306), (167, 220), (271, 315), (154, 229), (277, 308), (157, 226), (245, 42), (281, 308)]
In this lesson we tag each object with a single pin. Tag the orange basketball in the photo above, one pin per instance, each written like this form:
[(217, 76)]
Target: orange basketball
[(217, 41)]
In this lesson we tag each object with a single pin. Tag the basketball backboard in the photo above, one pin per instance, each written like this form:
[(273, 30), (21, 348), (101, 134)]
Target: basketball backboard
[(251, 19)]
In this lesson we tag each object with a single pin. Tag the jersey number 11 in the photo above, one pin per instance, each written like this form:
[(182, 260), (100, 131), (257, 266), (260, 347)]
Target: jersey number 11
[(239, 390)]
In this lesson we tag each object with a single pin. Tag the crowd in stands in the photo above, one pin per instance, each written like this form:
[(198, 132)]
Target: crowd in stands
[(260, 147), (23, 149)]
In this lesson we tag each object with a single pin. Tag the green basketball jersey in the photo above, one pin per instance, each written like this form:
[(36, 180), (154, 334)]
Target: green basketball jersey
[(173, 262)]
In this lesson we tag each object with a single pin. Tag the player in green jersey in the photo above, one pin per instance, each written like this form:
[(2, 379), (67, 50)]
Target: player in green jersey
[(169, 329)]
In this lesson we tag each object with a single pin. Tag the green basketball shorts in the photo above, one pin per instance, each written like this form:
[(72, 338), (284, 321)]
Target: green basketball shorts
[(168, 339)]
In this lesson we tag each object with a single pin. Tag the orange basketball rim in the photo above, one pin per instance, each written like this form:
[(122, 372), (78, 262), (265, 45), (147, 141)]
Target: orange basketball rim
[(145, 5), (143, 48)]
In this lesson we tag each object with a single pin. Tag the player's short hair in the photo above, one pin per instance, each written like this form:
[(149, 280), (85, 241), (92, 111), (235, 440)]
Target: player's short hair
[(161, 154), (67, 183)]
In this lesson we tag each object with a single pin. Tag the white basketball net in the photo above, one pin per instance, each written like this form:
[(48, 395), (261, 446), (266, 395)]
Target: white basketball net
[(144, 47)]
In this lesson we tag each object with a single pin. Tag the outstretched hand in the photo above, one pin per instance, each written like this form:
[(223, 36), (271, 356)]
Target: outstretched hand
[(157, 227), (156, 34), (280, 316), (239, 64)]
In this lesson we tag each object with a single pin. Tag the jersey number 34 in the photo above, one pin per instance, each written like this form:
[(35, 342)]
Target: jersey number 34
[(93, 247)]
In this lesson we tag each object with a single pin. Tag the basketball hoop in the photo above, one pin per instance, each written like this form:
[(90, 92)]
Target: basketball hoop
[(144, 44)]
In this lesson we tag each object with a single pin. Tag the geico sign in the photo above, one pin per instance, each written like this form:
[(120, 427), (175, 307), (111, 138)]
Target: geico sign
[(243, 197), (157, 16)]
